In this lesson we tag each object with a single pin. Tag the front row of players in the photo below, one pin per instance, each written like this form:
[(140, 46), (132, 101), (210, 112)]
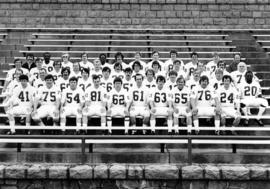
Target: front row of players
[(141, 101)]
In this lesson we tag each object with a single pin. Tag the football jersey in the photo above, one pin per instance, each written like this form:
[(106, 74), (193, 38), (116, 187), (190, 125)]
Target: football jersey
[(150, 64), (238, 77), (107, 84), (118, 98), (191, 84), (215, 83), (143, 64), (127, 84), (39, 83), (72, 97), (11, 86), (56, 75), (77, 75), (227, 97), (88, 65), (99, 73), (150, 84), (190, 67), (139, 96), (49, 67), (117, 74), (170, 85), (68, 64), (180, 73), (84, 84), (249, 90), (23, 95), (34, 74), (95, 95), (162, 73), (160, 98), (202, 96), (168, 65), (62, 83), (11, 73), (211, 66), (48, 96), (181, 97)]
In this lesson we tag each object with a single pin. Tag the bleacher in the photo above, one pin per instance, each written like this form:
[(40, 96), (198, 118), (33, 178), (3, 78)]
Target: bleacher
[(110, 41)]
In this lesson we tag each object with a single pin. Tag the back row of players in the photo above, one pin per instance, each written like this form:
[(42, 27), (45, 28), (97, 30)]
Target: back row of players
[(171, 89)]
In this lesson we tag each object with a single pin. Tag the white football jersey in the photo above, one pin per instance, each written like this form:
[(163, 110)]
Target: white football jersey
[(95, 95), (95, 72), (34, 74), (48, 96), (168, 65), (211, 67), (84, 84), (160, 98), (24, 96), (11, 86), (117, 74), (68, 64), (89, 65), (227, 97), (49, 67), (180, 98), (56, 75), (202, 96), (150, 84), (215, 83), (249, 90), (72, 97), (191, 84), (190, 67), (78, 75), (128, 84), (170, 85), (62, 83), (238, 77), (107, 84), (139, 96), (11, 73), (39, 83), (118, 99)]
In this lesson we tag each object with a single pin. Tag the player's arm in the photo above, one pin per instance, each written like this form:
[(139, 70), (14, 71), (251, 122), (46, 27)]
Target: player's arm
[(109, 103), (193, 102), (237, 101), (63, 100), (151, 101)]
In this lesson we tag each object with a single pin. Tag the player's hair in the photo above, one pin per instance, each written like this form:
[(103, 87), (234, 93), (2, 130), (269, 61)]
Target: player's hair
[(17, 59), (65, 69), (117, 64), (84, 53), (49, 76), (128, 69), (117, 79), (57, 62), (173, 72), (150, 70), (119, 54), (173, 51), (23, 77), (226, 77), (218, 71), (194, 53), (94, 77), (160, 78), (175, 61), (73, 79), (204, 78), (248, 72), (180, 78), (156, 63), (46, 53), (65, 54), (38, 59), (136, 63), (196, 70), (138, 75), (154, 52), (106, 68), (85, 70), (30, 55)]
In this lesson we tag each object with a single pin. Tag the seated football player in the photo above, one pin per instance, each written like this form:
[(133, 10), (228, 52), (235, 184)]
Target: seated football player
[(139, 94), (194, 80), (203, 70), (192, 65), (97, 68), (95, 102), (171, 82), (65, 61), (48, 97), (85, 63), (158, 69), (34, 72), (41, 80), (85, 80), (104, 62), (222, 65), (47, 62), (150, 82), (238, 76), (181, 103), (212, 65), (128, 81), (169, 63), (250, 96), (155, 58), (76, 70), (119, 58), (117, 71), (56, 71), (201, 103), (137, 68), (137, 58), (179, 68), (229, 101), (21, 102), (217, 81), (72, 103), (63, 82), (106, 81), (118, 104), (160, 104)]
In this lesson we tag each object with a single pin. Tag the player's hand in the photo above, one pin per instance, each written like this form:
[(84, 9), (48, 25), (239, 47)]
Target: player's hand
[(188, 109), (195, 111), (218, 110), (153, 110), (176, 110), (56, 114), (79, 110)]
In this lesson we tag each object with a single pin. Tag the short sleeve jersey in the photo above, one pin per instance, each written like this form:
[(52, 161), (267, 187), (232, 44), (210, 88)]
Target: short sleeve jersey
[(139, 96), (95, 95), (203, 96), (72, 97), (118, 98), (24, 95), (249, 90), (227, 97), (48, 96), (181, 97), (160, 97)]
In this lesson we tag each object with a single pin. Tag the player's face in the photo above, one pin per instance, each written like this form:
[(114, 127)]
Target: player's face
[(219, 76), (242, 68), (204, 83), (85, 74), (196, 75), (96, 82), (106, 74), (137, 68), (155, 56), (57, 67), (117, 68), (84, 57), (176, 65), (221, 66), (119, 59), (201, 67), (97, 64), (18, 64), (117, 85), (128, 74), (47, 57), (227, 82), (73, 84), (39, 64), (237, 58), (139, 80), (65, 58), (160, 83), (181, 84), (155, 67), (102, 58), (172, 78), (29, 59), (249, 77), (65, 74), (49, 82), (42, 74), (137, 56), (76, 67), (216, 58), (18, 74), (194, 57), (150, 76), (24, 83), (173, 55)]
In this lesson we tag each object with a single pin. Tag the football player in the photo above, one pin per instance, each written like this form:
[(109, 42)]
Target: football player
[(171, 82), (201, 102), (155, 58), (169, 63), (63, 82), (160, 103), (106, 80), (181, 103), (85, 63), (85, 80), (22, 100), (34, 72), (150, 82), (217, 81), (76, 70), (194, 80), (117, 71), (137, 58), (47, 62), (137, 68), (119, 58), (128, 81), (139, 101), (118, 104), (41, 81), (97, 68), (250, 96), (72, 103), (95, 102), (66, 62), (56, 72), (192, 65), (212, 65), (157, 69), (48, 97), (238, 76), (179, 68)]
